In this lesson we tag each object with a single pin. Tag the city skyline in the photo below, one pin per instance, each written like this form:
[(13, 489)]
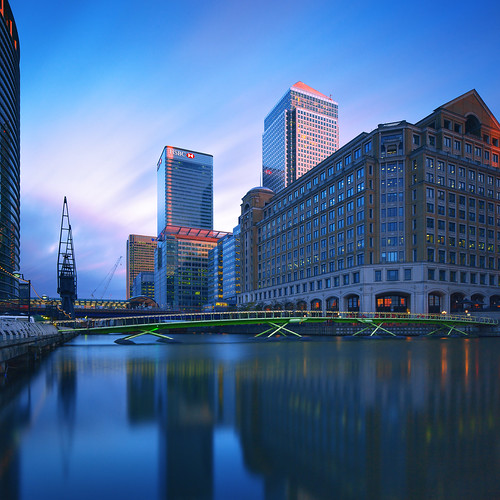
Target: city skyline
[(102, 94)]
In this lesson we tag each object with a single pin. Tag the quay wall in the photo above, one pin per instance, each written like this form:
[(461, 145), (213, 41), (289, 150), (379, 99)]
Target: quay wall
[(20, 338)]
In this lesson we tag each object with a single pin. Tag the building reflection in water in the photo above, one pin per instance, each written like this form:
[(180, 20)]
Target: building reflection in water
[(315, 420), (180, 396), (360, 421)]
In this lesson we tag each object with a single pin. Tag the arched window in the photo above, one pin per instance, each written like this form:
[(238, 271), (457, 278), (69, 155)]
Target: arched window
[(495, 302), (477, 302), (301, 305), (473, 126), (316, 305), (457, 302), (332, 304)]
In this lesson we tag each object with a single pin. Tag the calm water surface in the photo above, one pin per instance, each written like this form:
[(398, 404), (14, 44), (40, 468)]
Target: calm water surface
[(225, 417)]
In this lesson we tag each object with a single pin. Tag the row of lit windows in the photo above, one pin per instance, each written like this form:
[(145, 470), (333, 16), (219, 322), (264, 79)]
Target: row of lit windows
[(316, 270), (482, 232), (310, 254), (459, 243), (311, 184)]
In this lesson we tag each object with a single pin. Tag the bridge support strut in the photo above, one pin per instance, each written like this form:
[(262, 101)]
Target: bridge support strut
[(451, 327), (128, 339), (371, 325), (280, 328)]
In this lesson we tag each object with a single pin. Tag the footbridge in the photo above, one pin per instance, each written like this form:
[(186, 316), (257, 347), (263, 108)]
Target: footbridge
[(275, 322)]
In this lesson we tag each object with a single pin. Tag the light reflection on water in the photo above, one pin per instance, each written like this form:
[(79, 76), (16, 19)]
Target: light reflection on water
[(223, 417)]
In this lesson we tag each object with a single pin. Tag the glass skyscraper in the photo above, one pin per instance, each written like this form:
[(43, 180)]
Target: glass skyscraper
[(185, 222), (9, 153), (185, 189), (299, 132)]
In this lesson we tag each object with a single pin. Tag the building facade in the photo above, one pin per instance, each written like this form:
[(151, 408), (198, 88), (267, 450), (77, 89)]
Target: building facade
[(299, 132), (215, 278), (181, 267), (252, 213), (140, 258), (231, 285), (144, 285), (185, 189), (9, 153), (405, 218), (224, 271)]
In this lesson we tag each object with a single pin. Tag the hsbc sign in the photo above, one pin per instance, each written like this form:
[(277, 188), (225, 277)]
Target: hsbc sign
[(172, 152)]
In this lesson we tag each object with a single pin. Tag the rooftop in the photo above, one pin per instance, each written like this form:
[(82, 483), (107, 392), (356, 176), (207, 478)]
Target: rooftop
[(305, 88)]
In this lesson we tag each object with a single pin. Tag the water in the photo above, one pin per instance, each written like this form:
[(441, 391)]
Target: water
[(224, 417)]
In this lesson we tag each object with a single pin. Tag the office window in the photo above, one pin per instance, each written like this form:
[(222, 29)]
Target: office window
[(392, 274)]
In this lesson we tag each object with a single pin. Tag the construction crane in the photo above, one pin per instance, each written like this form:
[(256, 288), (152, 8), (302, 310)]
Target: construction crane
[(107, 279), (66, 266)]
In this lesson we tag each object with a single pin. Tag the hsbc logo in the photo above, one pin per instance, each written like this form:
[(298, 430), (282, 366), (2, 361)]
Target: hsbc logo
[(171, 152)]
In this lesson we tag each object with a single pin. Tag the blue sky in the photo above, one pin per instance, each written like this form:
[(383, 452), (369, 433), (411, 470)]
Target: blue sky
[(106, 85)]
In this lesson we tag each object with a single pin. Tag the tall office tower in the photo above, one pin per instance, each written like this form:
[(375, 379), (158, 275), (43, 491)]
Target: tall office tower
[(185, 189), (404, 218), (9, 153), (299, 132), (185, 221), (140, 258)]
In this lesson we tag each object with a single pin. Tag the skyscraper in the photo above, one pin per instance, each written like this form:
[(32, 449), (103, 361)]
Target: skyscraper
[(9, 153), (185, 221), (140, 258), (299, 132), (185, 189)]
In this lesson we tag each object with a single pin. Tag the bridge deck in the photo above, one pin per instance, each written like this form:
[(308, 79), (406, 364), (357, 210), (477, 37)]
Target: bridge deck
[(277, 319)]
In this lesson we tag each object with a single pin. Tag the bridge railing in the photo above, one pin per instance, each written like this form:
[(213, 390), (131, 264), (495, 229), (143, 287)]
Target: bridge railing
[(204, 317)]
